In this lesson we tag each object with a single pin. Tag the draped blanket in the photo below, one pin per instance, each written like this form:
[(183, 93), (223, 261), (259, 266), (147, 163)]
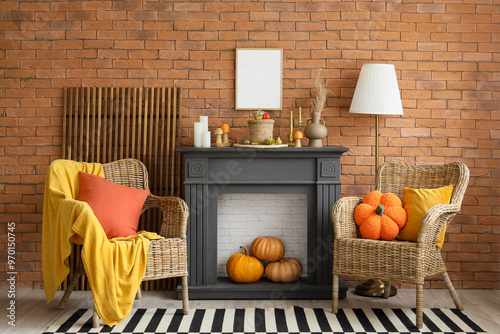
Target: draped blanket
[(114, 267)]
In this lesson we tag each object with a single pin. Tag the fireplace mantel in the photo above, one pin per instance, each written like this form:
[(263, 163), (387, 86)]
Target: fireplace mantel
[(211, 171)]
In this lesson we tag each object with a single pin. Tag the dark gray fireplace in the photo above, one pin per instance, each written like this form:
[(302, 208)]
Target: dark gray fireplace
[(212, 171)]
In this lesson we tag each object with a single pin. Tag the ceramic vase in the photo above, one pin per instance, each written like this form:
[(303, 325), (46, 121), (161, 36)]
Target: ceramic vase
[(315, 131)]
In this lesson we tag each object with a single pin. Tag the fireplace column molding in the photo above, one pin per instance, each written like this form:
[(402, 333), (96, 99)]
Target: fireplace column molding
[(211, 171)]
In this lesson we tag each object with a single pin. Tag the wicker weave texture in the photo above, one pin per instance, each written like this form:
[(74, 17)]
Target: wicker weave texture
[(400, 261), (166, 258)]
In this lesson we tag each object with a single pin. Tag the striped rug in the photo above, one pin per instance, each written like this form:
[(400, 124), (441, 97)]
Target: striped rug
[(272, 320)]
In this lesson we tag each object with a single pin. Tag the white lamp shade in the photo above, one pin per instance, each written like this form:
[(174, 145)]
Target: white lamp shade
[(377, 91)]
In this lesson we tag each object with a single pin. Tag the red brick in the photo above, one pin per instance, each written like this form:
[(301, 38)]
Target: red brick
[(263, 35), (399, 26), (391, 36), (152, 64), (75, 54), (355, 35), (264, 16), (143, 54), (291, 16), (355, 16), (128, 45), (20, 35), (418, 17), (127, 25), (325, 16), (97, 63), (81, 73), (253, 26), (162, 45), (18, 15), (352, 54), (487, 28), (371, 26), (388, 55)]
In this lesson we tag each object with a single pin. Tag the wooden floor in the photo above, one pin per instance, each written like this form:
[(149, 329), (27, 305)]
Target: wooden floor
[(33, 315)]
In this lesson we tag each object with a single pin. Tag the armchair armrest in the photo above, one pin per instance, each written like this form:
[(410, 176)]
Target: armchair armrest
[(433, 223), (344, 225), (175, 213)]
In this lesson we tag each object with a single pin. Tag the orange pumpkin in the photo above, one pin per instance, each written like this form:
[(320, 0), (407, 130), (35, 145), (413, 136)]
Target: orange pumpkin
[(380, 216), (243, 268), (267, 248), (285, 270)]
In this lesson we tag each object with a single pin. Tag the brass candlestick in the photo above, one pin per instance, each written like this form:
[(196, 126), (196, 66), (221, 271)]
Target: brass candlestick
[(300, 118)]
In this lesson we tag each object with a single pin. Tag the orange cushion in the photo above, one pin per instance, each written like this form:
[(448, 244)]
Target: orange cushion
[(116, 207)]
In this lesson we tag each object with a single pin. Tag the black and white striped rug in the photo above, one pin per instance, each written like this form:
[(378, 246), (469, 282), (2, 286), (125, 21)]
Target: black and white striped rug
[(272, 320)]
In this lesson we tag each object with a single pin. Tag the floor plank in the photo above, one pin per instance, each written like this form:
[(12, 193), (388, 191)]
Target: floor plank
[(482, 304), (33, 315)]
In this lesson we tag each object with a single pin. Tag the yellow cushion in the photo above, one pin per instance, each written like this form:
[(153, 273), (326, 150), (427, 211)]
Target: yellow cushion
[(417, 202)]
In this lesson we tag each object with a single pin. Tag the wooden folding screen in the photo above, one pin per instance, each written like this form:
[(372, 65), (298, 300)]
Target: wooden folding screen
[(103, 124)]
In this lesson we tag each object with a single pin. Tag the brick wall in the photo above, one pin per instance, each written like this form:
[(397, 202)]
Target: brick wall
[(446, 55)]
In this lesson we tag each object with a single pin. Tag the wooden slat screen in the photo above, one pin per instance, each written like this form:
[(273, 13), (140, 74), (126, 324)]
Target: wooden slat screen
[(103, 124)]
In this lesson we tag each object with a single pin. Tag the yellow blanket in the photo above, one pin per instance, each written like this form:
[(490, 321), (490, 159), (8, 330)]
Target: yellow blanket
[(114, 267)]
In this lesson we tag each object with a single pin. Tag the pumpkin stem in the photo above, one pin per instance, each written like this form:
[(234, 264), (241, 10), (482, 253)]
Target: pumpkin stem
[(380, 210), (247, 253)]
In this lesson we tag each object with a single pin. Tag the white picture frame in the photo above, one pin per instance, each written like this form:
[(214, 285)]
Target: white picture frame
[(259, 79)]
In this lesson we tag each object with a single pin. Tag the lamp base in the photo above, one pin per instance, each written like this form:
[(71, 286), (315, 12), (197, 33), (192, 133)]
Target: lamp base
[(374, 288)]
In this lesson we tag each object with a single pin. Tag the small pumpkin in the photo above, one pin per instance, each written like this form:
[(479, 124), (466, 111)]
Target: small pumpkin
[(285, 270), (267, 249), (380, 216), (243, 268)]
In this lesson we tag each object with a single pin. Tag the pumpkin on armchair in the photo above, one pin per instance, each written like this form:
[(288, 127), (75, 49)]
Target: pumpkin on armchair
[(380, 216)]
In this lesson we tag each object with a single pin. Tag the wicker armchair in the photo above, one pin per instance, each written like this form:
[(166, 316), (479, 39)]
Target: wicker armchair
[(165, 257), (399, 261)]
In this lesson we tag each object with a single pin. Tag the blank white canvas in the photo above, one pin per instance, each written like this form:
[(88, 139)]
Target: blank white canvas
[(259, 78)]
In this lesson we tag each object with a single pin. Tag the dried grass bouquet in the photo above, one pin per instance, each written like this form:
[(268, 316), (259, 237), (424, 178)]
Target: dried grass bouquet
[(322, 91)]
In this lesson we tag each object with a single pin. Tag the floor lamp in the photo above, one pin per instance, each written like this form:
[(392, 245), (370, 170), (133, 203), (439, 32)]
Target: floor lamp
[(376, 93)]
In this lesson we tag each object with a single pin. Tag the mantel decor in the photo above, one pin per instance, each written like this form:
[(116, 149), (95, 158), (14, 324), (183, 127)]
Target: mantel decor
[(315, 130), (213, 171)]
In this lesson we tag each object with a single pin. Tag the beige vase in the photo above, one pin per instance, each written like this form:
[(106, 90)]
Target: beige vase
[(315, 131)]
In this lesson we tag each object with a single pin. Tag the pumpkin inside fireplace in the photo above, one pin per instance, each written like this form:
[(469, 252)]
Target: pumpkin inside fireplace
[(243, 268), (283, 271), (267, 249)]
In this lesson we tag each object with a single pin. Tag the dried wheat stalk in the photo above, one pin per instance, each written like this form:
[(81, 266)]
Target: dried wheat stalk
[(320, 102)]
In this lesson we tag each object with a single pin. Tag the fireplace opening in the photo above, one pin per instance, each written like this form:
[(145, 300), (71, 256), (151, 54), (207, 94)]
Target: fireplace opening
[(243, 217)]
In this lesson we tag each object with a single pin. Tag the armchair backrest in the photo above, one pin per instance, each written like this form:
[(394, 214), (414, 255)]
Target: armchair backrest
[(127, 172), (393, 176)]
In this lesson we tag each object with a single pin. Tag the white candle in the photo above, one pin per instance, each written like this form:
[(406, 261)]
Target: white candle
[(198, 134), (204, 122), (206, 139)]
